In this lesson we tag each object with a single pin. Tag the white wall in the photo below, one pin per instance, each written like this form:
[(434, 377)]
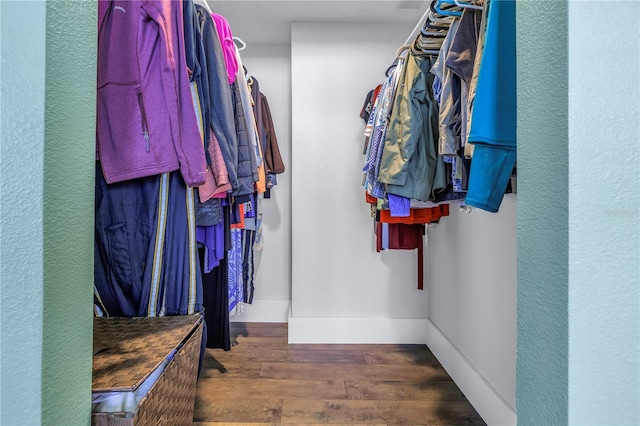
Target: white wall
[(604, 201), (21, 243), (343, 291), (471, 281), (271, 66)]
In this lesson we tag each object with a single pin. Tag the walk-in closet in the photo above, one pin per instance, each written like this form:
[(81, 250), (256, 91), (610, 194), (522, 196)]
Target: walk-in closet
[(334, 287), (319, 212), (282, 219)]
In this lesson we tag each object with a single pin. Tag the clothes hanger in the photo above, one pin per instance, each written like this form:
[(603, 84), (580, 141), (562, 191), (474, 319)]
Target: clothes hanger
[(440, 26), (436, 16), (466, 5), (206, 6), (392, 67), (439, 32), (447, 11), (241, 45), (425, 50), (426, 45), (443, 26), (401, 50)]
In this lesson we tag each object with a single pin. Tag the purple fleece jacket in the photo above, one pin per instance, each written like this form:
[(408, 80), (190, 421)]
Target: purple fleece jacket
[(146, 120)]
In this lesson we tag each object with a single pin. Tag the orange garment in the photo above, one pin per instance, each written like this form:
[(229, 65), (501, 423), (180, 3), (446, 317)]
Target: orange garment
[(370, 199), (239, 225), (416, 216), (261, 184)]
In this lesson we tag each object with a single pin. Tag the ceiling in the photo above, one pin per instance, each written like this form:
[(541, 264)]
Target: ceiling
[(260, 22)]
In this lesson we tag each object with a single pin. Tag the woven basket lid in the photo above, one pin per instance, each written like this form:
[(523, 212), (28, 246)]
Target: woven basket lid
[(127, 350)]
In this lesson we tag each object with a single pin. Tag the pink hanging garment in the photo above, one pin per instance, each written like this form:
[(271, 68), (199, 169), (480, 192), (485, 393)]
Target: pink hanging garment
[(228, 47), (217, 184)]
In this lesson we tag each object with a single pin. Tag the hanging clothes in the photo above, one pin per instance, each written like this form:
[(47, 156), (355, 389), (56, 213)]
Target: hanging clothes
[(228, 46), (251, 126), (449, 102), (216, 291), (461, 59), (473, 84), (410, 164), (493, 127), (148, 220), (273, 164), (273, 158), (145, 247), (247, 166), (219, 107), (377, 130), (146, 124)]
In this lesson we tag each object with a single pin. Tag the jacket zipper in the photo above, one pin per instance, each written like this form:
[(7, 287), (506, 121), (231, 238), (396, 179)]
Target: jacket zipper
[(143, 115)]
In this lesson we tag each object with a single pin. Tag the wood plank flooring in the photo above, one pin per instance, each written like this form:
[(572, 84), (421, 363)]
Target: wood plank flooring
[(265, 381)]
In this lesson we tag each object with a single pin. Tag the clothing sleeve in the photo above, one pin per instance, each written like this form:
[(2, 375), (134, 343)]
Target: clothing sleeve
[(493, 128), (175, 80), (405, 126)]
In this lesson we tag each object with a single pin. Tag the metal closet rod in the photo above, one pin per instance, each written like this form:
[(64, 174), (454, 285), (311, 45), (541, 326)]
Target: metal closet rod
[(434, 6), (417, 28)]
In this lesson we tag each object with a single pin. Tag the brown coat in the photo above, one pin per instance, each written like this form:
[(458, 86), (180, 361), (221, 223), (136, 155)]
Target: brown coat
[(272, 157)]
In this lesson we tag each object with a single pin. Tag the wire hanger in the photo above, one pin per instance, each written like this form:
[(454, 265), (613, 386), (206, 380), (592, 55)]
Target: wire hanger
[(240, 44), (465, 5), (451, 11), (206, 6)]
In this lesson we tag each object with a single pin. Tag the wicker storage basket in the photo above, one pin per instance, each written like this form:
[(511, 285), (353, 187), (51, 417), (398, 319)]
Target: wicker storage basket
[(127, 350)]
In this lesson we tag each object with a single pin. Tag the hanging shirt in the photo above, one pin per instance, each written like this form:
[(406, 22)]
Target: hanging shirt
[(449, 111), (410, 164), (493, 128), (380, 116), (219, 106), (228, 46), (146, 123), (473, 84), (461, 59)]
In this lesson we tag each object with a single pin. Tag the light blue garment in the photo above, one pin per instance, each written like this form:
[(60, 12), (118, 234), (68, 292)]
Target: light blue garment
[(385, 236), (493, 127)]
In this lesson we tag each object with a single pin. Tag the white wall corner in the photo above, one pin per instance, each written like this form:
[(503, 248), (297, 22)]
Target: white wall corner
[(493, 408)]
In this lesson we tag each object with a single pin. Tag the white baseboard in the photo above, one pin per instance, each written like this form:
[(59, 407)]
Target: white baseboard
[(484, 398), (263, 311), (357, 330)]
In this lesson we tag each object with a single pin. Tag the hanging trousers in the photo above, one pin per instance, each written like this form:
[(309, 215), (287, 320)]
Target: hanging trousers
[(216, 295), (145, 250)]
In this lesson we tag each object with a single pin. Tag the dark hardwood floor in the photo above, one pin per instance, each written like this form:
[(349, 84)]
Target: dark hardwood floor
[(265, 381)]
